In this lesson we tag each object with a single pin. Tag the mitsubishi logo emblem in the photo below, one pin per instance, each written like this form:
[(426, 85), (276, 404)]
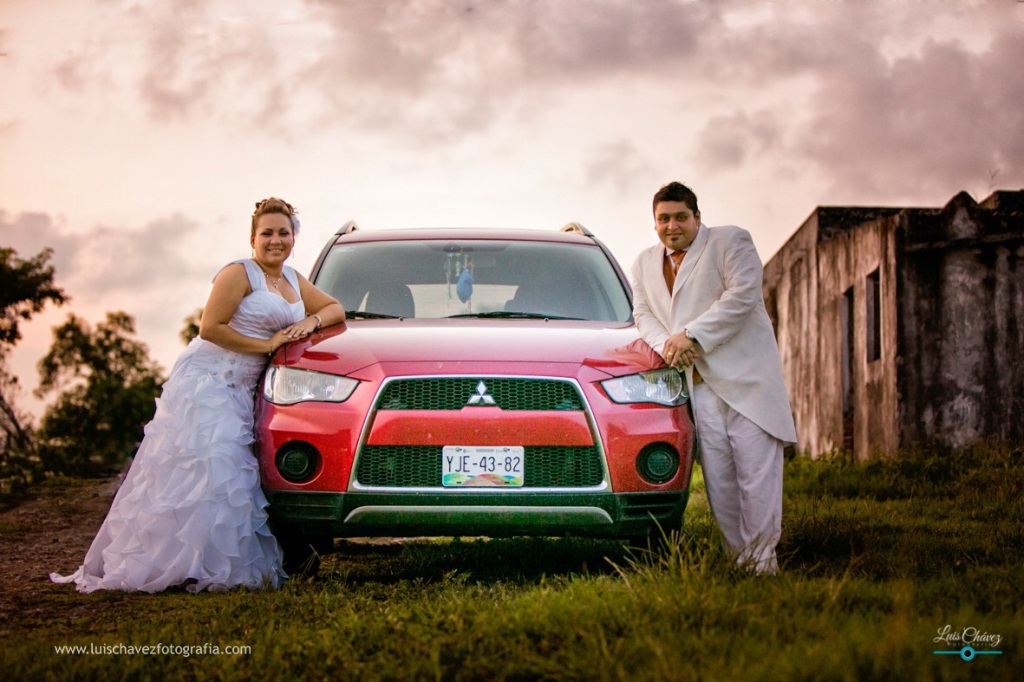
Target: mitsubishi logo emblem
[(481, 397)]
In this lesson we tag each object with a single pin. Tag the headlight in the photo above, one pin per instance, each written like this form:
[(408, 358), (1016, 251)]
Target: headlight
[(286, 386), (662, 386)]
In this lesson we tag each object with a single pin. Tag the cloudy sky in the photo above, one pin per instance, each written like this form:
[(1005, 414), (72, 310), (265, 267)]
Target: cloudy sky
[(135, 135)]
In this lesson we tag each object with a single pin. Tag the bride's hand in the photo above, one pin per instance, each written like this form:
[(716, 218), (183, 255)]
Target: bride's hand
[(299, 330), (277, 340)]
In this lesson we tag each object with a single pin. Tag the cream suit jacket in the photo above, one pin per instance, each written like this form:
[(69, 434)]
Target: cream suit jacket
[(717, 297)]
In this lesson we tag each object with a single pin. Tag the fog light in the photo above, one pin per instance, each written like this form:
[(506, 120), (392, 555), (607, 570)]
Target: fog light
[(298, 462), (658, 463)]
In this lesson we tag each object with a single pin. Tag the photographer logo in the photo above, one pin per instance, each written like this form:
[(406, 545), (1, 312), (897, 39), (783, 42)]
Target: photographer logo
[(967, 643)]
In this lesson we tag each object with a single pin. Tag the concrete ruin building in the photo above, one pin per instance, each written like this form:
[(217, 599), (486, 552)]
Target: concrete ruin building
[(904, 327)]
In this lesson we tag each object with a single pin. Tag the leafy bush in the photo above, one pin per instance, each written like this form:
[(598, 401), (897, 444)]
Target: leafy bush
[(107, 387)]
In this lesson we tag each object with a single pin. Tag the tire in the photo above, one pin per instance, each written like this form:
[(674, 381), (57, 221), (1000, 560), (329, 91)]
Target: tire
[(659, 540), (302, 553)]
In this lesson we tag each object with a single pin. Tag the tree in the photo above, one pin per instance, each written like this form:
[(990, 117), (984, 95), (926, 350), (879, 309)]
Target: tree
[(107, 385), (191, 328), (19, 462), (25, 288)]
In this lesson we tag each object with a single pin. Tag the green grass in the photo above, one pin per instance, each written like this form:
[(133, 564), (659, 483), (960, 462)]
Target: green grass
[(877, 558)]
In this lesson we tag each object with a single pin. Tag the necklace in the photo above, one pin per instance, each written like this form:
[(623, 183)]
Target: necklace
[(273, 282)]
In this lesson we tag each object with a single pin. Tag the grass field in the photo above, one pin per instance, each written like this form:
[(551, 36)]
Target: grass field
[(879, 559)]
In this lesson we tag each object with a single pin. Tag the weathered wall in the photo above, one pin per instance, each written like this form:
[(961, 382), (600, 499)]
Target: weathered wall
[(961, 311), (803, 287), (950, 369), (844, 262), (791, 297)]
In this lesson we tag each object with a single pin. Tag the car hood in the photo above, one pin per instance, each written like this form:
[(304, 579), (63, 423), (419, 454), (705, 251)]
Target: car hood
[(449, 345)]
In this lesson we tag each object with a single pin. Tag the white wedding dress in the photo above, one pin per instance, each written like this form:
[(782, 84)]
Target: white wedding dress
[(191, 511)]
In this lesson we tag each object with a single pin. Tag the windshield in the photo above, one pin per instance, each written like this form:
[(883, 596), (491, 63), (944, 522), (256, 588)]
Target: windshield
[(445, 278)]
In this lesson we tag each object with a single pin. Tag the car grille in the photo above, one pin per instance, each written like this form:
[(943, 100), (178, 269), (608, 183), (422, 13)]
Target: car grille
[(412, 466), (454, 393)]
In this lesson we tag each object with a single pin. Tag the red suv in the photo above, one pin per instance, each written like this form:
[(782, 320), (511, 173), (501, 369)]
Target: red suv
[(486, 383)]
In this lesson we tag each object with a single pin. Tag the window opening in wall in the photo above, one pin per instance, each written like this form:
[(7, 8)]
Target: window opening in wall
[(873, 298), (846, 319)]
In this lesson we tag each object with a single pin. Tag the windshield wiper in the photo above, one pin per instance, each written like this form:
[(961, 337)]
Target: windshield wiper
[(502, 314), (366, 314)]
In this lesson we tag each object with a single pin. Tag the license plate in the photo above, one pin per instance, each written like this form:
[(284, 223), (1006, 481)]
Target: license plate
[(469, 465)]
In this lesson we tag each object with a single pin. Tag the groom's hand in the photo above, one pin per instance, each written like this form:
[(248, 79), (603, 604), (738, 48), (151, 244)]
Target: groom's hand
[(680, 351)]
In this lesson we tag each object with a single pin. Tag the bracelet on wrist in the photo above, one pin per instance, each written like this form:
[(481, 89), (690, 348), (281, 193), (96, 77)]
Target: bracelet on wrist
[(319, 321)]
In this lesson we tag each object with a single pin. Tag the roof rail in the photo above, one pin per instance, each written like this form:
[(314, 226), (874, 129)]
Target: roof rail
[(577, 228), (350, 226)]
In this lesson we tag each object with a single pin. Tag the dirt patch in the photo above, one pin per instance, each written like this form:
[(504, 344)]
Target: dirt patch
[(48, 532)]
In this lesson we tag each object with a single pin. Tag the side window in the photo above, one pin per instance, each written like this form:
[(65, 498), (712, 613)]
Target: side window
[(846, 321), (873, 299), (846, 315)]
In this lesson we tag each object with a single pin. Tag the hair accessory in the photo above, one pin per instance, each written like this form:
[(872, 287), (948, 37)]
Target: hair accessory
[(291, 212)]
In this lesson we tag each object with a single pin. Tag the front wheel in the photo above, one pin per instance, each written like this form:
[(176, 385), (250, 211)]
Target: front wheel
[(660, 539), (302, 553)]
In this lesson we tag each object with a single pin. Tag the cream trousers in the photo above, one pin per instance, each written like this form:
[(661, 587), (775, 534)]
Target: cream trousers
[(742, 466)]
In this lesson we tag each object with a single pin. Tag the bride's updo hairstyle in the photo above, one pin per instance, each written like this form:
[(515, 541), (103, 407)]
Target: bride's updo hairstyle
[(275, 205)]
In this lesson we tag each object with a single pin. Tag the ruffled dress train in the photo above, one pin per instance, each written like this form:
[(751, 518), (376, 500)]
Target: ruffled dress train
[(191, 511)]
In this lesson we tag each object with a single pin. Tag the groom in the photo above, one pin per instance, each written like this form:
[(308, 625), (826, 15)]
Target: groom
[(697, 300)]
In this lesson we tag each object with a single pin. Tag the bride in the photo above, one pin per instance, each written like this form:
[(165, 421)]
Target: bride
[(190, 511)]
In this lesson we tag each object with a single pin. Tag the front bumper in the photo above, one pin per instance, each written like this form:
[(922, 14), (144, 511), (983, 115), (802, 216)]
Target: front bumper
[(362, 514)]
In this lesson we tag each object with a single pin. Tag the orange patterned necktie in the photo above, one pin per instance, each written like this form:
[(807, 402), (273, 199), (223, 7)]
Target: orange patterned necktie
[(671, 267)]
